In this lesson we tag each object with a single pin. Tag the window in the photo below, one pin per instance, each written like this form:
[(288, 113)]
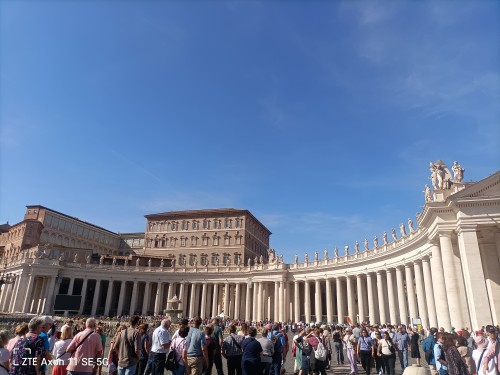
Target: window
[(214, 259), (238, 223), (225, 258), (174, 225), (236, 258), (227, 223), (206, 224), (226, 239), (194, 241), (192, 259), (217, 224), (203, 259), (205, 240), (216, 240), (183, 241)]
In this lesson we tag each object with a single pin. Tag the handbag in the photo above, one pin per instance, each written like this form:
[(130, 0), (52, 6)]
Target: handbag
[(171, 363)]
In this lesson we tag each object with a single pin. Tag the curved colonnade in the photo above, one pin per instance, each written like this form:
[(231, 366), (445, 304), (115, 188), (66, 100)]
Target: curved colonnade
[(446, 273)]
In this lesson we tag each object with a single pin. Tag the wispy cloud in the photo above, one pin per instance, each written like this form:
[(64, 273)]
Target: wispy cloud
[(136, 165)]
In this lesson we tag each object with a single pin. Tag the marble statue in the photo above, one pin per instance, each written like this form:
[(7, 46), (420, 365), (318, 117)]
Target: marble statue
[(196, 262), (458, 172), (336, 252), (384, 238), (149, 262), (137, 262), (306, 258), (410, 225), (437, 175), (296, 259), (356, 247), (101, 259), (261, 259), (375, 242), (427, 194), (75, 258), (280, 259), (325, 254), (114, 261), (366, 244), (238, 260), (161, 263), (402, 229), (346, 249), (316, 256), (88, 259), (393, 233), (217, 261), (256, 260), (249, 262)]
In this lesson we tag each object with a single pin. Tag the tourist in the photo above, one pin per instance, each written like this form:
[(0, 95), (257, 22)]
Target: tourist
[(318, 364), (243, 330), (304, 346), (183, 324), (402, 341), (128, 347), (86, 344), (351, 343), (217, 338), (465, 353), (195, 354), (365, 351), (59, 352), (30, 346), (145, 349), (45, 336), (454, 362), (113, 356), (4, 352), (478, 356), (387, 351), (211, 349), (232, 351), (493, 350), (279, 341), (297, 352), (21, 331), (428, 348), (379, 362), (414, 349), (439, 354), (160, 343), (339, 347), (252, 351), (178, 345)]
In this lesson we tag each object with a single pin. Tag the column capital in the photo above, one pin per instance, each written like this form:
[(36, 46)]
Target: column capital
[(445, 233), (466, 228)]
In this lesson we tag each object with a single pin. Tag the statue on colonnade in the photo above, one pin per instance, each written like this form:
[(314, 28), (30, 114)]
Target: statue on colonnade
[(458, 172)]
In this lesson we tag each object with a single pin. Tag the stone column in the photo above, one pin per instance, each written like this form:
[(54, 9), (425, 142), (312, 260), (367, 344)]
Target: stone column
[(109, 297), (84, 294), (71, 286), (248, 302), (340, 300), (258, 302), (361, 297), (422, 303), (43, 295), (95, 300), (159, 298), (451, 280), (307, 301), (282, 302), (403, 312), (255, 296), (237, 298), (438, 286), (215, 298), (371, 298), (329, 306), (392, 300), (226, 299), (288, 307), (28, 297), (491, 266), (429, 306), (318, 308), (133, 300), (381, 298), (192, 300), (475, 281), (145, 302), (296, 301), (410, 290), (121, 299), (351, 309), (276, 301), (183, 297), (204, 301), (49, 305), (15, 294)]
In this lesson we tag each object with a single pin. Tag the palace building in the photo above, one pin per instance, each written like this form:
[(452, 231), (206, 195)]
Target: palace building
[(444, 270)]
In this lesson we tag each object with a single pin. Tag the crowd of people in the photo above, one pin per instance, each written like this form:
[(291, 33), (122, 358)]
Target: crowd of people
[(153, 345)]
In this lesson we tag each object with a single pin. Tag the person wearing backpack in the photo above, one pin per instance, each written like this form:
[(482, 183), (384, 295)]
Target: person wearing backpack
[(428, 348), (28, 351), (278, 340), (318, 355)]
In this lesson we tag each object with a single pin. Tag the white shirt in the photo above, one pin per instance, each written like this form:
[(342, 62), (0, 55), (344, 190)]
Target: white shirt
[(160, 338), (476, 354), (59, 351)]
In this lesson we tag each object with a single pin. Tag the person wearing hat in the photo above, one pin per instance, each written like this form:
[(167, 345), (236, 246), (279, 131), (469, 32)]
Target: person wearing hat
[(493, 351), (478, 356)]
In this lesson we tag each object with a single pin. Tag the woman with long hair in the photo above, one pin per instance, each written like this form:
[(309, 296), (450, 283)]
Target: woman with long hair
[(59, 351), (113, 356), (453, 358), (387, 351)]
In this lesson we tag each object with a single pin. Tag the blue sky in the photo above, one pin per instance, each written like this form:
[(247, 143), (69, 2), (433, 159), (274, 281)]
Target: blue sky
[(318, 117)]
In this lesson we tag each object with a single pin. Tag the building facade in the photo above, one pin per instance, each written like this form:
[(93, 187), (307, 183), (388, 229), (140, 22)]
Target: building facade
[(443, 270)]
